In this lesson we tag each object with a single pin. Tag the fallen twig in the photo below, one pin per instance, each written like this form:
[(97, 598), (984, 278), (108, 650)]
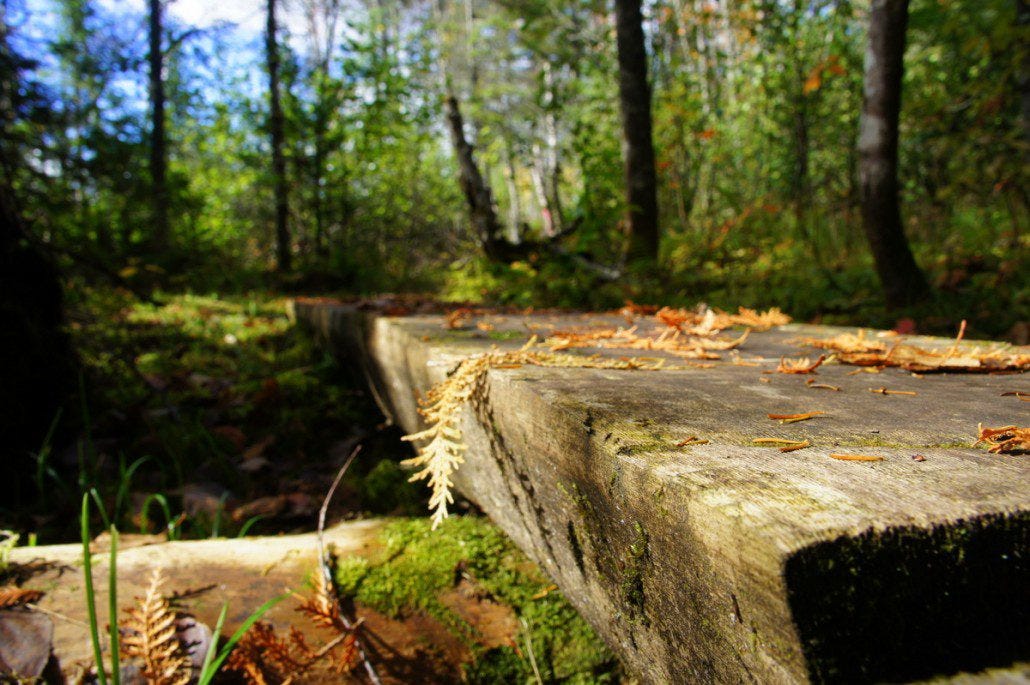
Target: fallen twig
[(325, 566)]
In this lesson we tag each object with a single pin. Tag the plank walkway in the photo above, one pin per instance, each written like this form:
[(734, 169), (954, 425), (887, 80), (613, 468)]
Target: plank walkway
[(726, 561)]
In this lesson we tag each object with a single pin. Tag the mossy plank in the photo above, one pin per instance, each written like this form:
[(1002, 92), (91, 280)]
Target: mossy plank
[(751, 565)]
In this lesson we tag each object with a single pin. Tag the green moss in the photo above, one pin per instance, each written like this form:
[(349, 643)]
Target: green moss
[(418, 565), (582, 503), (632, 583)]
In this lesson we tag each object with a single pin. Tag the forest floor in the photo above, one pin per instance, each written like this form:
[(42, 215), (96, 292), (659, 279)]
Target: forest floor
[(210, 416)]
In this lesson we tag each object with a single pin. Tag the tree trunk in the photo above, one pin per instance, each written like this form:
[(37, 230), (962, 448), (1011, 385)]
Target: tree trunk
[(36, 362), (637, 144), (903, 282), (477, 193), (1023, 69), (158, 150), (276, 128)]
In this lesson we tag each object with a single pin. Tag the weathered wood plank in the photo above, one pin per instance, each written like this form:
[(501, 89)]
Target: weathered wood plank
[(727, 562)]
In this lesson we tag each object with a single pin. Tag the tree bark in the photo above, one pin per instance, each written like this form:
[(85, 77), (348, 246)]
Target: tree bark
[(159, 238), (477, 193), (1023, 69), (276, 130), (637, 143), (903, 282)]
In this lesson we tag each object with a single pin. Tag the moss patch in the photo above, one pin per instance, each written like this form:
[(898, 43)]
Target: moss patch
[(418, 565)]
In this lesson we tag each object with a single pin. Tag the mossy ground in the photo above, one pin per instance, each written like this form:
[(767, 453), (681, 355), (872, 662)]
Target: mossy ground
[(418, 565)]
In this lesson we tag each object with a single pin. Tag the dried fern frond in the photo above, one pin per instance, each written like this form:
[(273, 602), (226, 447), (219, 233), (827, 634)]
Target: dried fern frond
[(149, 636), (441, 455), (12, 596), (263, 657)]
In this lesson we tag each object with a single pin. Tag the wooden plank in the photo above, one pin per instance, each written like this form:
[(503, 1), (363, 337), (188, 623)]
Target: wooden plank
[(728, 562)]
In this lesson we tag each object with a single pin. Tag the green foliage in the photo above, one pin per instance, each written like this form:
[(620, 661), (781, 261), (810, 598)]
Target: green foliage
[(418, 565)]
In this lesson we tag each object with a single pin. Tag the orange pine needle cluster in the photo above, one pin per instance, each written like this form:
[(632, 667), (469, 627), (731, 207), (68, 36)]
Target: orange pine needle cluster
[(794, 418), (12, 596), (856, 457), (1004, 440), (859, 350), (799, 366)]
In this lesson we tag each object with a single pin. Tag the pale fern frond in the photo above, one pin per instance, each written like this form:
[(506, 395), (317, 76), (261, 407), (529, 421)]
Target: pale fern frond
[(441, 455)]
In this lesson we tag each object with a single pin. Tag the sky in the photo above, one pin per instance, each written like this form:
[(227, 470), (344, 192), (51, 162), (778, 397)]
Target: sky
[(247, 15)]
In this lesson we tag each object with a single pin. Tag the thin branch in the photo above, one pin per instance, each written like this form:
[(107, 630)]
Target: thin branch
[(325, 566)]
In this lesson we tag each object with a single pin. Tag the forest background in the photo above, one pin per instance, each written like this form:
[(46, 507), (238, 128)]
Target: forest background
[(177, 181), (170, 167)]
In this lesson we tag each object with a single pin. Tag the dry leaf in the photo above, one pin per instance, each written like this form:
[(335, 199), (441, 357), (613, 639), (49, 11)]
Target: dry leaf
[(458, 318), (1004, 440)]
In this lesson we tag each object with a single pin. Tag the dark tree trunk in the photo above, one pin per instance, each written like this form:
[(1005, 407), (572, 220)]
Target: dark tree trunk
[(36, 361), (1023, 69), (637, 144), (158, 149), (903, 282), (477, 193), (276, 127)]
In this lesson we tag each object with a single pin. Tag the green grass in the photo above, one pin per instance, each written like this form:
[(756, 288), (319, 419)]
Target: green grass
[(175, 392)]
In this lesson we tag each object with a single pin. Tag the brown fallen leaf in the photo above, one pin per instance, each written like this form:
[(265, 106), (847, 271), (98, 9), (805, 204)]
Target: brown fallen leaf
[(458, 318), (856, 457), (794, 418), (918, 457), (26, 639), (1005, 439)]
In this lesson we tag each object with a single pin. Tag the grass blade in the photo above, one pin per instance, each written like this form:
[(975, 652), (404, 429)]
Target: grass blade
[(223, 653), (213, 647), (91, 608), (112, 603)]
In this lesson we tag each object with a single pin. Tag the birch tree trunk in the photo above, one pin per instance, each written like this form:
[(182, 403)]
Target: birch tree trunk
[(903, 282)]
